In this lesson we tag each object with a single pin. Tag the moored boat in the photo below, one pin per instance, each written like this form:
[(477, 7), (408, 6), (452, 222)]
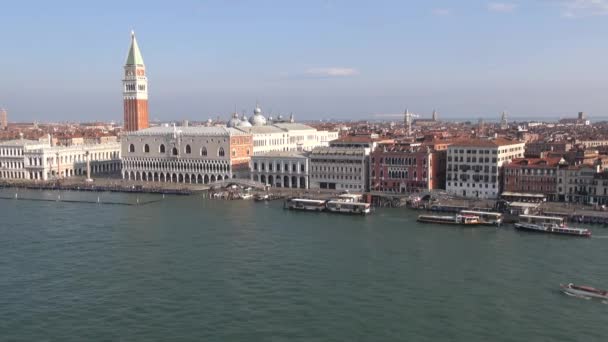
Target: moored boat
[(466, 220), (357, 208), (261, 197), (584, 291), (553, 229), (305, 204), (485, 217)]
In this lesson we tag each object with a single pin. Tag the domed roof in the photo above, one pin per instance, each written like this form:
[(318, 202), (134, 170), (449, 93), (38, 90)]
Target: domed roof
[(244, 122), (257, 119), (235, 121)]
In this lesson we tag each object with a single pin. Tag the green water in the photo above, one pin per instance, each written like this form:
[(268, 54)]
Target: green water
[(189, 269)]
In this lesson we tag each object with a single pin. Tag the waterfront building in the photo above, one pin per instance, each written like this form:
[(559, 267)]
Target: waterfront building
[(474, 166), (344, 165), (578, 183), (339, 168), (281, 169), (135, 89), (24, 159), (280, 135), (532, 176), (405, 167), (3, 118), (186, 154)]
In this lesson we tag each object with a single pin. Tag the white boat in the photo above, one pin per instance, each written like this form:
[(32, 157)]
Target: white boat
[(305, 204), (356, 208), (584, 291), (486, 217), (553, 229)]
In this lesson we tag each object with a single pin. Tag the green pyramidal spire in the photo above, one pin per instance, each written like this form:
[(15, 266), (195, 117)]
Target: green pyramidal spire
[(134, 57)]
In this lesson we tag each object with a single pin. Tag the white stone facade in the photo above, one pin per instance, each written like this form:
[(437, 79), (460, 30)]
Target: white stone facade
[(38, 160), (474, 167), (281, 169), (339, 168), (199, 155)]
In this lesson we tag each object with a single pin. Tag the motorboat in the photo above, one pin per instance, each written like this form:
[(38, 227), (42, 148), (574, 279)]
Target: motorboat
[(466, 220), (261, 197), (553, 229), (584, 291)]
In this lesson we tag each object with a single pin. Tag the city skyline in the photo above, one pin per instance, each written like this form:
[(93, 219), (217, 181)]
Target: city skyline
[(319, 60)]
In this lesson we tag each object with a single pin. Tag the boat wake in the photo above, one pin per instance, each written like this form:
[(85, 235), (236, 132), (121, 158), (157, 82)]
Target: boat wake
[(576, 296), (600, 237)]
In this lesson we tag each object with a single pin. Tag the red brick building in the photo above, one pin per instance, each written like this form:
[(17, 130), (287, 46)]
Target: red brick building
[(532, 176), (401, 168)]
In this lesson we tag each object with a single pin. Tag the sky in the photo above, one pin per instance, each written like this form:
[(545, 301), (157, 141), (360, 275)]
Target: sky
[(319, 59)]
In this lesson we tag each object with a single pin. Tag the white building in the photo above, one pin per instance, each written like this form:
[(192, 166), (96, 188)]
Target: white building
[(280, 135), (474, 166), (281, 169), (39, 160), (339, 168), (186, 154)]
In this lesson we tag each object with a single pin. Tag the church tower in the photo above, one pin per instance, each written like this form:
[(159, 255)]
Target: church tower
[(135, 90)]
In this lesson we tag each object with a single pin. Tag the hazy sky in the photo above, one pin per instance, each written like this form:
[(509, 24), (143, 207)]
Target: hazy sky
[(62, 60)]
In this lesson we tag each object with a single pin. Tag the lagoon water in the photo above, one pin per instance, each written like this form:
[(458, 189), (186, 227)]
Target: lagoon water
[(190, 269)]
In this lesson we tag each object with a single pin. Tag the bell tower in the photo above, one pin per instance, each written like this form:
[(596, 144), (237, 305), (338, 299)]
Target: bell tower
[(135, 90)]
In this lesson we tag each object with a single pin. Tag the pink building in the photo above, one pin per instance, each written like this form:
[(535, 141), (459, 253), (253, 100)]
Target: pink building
[(401, 168)]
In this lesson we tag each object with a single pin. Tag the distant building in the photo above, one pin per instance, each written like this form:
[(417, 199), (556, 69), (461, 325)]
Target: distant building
[(581, 120), (24, 159), (198, 155), (135, 90), (537, 148), (427, 122), (281, 169), (3, 118), (504, 124), (280, 135), (474, 166)]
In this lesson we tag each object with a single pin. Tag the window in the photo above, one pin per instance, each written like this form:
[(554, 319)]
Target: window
[(220, 152), (175, 152), (162, 148), (234, 152), (188, 149), (131, 148), (147, 148), (204, 151)]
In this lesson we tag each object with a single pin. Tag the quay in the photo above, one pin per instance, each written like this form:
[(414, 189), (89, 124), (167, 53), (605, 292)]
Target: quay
[(98, 201), (101, 185)]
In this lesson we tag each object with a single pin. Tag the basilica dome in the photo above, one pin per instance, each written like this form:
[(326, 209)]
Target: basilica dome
[(257, 119), (235, 121), (244, 122)]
